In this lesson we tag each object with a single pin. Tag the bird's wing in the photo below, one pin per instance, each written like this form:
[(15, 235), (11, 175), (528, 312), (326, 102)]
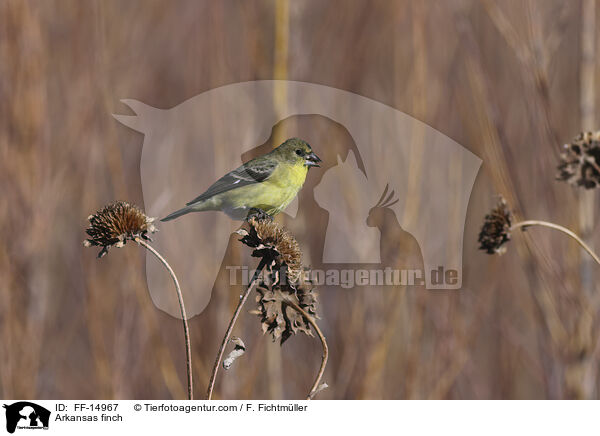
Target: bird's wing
[(255, 171)]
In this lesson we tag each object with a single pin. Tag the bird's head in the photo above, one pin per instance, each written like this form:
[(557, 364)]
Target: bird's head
[(297, 151)]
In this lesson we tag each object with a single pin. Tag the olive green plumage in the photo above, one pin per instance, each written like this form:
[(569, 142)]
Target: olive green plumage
[(266, 184)]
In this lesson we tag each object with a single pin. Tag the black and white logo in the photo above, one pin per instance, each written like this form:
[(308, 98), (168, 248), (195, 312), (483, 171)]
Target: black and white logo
[(26, 415)]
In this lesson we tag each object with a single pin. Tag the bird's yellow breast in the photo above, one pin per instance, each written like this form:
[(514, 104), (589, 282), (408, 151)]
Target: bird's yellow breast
[(271, 196), (289, 176), (282, 187)]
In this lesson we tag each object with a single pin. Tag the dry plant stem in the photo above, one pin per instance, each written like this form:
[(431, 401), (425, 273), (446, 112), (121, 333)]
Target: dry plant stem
[(566, 231), (312, 322), (238, 310), (186, 330)]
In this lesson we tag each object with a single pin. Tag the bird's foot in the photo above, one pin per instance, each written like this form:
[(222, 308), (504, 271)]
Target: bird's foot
[(258, 214)]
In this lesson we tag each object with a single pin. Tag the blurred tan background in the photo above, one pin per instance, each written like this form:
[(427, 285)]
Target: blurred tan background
[(509, 80)]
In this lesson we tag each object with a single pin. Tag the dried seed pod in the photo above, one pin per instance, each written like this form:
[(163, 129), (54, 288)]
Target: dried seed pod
[(496, 229), (580, 161), (116, 223), (280, 282), (279, 318), (278, 246)]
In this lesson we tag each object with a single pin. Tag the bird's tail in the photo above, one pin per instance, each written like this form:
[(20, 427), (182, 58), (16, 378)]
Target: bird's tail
[(178, 213)]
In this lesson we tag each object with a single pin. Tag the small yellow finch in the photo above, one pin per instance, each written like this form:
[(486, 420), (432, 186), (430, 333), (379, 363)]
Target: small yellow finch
[(262, 186)]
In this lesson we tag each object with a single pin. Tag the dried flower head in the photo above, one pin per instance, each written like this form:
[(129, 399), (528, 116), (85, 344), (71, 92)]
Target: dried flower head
[(279, 286), (277, 316), (114, 224), (273, 243), (496, 229), (580, 161)]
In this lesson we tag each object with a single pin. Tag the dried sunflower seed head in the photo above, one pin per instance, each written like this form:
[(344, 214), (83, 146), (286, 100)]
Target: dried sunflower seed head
[(114, 224), (580, 161), (276, 245), (496, 229), (280, 284), (280, 319)]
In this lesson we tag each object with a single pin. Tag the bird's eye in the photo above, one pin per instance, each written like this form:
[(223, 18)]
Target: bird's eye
[(300, 152)]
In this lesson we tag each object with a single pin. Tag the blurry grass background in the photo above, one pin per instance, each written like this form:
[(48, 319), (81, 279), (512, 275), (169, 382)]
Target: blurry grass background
[(509, 80)]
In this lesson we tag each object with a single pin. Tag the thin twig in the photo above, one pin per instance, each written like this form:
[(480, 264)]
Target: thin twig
[(566, 231), (238, 309), (186, 330), (315, 387)]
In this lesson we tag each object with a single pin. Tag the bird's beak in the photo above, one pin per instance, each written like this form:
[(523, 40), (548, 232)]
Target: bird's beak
[(312, 160)]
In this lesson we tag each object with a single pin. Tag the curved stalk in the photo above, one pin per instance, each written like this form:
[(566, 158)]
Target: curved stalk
[(530, 223), (186, 331), (310, 319), (238, 309)]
